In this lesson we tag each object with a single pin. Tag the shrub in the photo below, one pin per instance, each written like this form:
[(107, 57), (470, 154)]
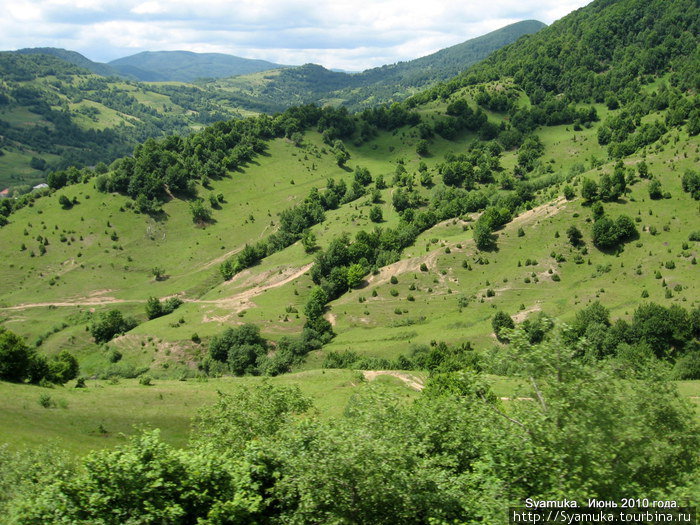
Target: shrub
[(688, 366), (500, 321), (110, 324), (46, 401), (375, 214)]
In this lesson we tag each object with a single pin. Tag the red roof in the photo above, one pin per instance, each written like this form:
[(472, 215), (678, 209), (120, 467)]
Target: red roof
[(6, 191)]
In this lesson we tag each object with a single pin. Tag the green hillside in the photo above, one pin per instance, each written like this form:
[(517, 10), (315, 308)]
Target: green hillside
[(185, 66), (54, 114), (425, 312), (74, 58)]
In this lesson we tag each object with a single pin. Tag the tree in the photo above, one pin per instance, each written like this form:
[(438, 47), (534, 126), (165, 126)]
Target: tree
[(598, 210), (308, 241), (375, 214), (626, 229), (63, 368), (569, 193), (316, 303), (655, 191), (422, 148), (356, 273), (604, 233), (15, 356), (240, 347), (500, 321), (65, 202), (691, 183), (154, 308), (110, 324), (589, 190), (643, 170), (200, 213), (483, 235), (575, 236)]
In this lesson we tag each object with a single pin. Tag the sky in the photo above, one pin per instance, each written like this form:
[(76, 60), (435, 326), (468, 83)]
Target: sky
[(346, 34)]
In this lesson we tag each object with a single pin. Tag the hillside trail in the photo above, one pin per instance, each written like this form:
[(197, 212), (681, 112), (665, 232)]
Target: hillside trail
[(267, 281), (237, 300), (411, 264), (96, 298), (411, 381)]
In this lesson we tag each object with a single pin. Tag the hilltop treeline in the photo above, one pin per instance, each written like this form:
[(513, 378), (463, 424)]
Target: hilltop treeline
[(595, 52)]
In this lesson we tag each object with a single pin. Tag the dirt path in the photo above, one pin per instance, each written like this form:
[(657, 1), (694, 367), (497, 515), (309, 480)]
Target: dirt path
[(95, 298), (411, 381), (243, 300), (236, 302), (523, 314), (543, 211)]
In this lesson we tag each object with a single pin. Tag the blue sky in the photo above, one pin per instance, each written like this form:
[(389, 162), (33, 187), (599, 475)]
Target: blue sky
[(346, 34)]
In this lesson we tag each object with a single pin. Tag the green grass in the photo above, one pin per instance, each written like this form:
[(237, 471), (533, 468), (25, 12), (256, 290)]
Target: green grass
[(104, 414), (52, 298)]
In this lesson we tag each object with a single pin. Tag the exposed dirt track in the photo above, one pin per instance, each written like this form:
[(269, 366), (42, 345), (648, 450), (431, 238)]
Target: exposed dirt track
[(243, 300), (411, 381), (95, 298)]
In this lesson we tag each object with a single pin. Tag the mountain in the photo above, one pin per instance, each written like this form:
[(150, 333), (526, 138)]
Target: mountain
[(75, 58), (409, 314), (54, 114), (186, 66), (386, 84), (447, 62), (80, 119)]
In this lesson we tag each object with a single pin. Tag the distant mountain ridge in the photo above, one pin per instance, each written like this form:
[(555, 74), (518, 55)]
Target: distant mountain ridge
[(280, 89), (74, 58), (187, 66)]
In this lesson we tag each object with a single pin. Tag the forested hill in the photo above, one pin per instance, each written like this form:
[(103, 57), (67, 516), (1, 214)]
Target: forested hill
[(281, 89), (598, 51), (58, 108), (74, 58), (489, 280), (186, 66), (54, 114), (445, 63)]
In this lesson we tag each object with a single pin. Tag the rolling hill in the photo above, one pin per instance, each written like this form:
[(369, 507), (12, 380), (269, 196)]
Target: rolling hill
[(386, 84), (518, 243), (186, 66), (74, 58), (58, 108)]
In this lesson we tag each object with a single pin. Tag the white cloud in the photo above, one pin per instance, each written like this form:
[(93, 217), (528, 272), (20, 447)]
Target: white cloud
[(342, 33)]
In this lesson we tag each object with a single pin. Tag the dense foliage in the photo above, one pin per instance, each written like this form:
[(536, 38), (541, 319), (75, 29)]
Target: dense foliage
[(457, 454), (20, 363)]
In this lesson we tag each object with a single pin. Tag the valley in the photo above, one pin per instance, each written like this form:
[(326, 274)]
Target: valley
[(450, 291)]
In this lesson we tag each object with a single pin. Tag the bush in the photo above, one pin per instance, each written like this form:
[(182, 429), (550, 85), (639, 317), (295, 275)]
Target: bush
[(110, 324), (500, 321), (15, 356), (145, 380), (687, 367), (46, 401), (239, 347)]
